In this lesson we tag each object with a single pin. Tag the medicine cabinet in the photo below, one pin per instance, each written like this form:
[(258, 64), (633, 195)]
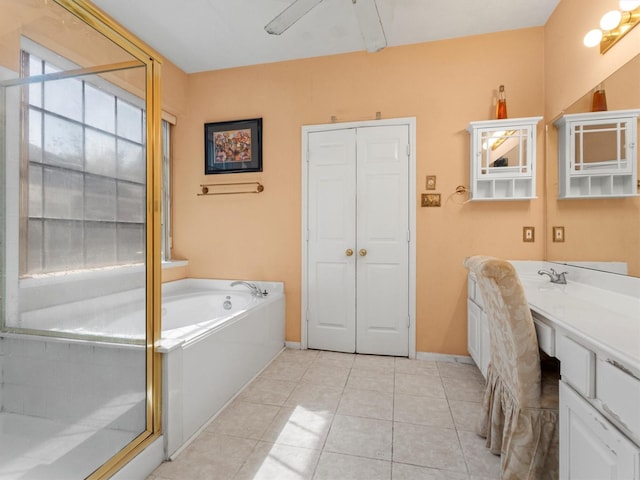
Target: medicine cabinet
[(598, 155), (503, 159)]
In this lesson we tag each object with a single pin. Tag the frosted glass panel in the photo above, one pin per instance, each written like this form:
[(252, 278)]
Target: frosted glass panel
[(130, 243), (63, 194), (35, 136), (62, 142), (100, 109), (101, 244), (35, 89), (64, 97), (100, 153), (34, 258), (62, 245), (129, 121), (100, 199), (130, 202), (35, 191), (131, 161)]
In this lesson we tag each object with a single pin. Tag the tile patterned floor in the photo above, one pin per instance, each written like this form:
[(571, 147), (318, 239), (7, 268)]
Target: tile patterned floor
[(334, 416)]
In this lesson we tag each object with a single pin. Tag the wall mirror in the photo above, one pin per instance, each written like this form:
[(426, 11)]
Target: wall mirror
[(601, 233)]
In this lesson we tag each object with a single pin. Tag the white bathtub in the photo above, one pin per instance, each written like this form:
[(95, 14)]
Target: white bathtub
[(210, 353)]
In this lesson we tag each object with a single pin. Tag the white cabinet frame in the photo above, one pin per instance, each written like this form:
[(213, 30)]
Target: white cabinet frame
[(511, 175)]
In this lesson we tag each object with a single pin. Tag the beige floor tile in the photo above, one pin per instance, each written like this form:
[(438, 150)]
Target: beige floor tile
[(364, 437), (299, 427), (374, 362), (315, 397), (460, 370), (420, 385), (401, 471), (480, 460), (335, 359), (287, 370), (267, 390), (465, 414), (416, 367), (242, 419), (463, 389), (366, 403), (422, 411), (427, 446), (334, 466), (270, 461), (371, 379), (300, 356), (210, 456), (329, 376)]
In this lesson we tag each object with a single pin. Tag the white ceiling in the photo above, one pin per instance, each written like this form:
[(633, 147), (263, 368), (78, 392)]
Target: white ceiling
[(200, 35)]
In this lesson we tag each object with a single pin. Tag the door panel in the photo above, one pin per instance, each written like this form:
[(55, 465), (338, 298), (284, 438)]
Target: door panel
[(331, 220), (358, 199), (382, 313)]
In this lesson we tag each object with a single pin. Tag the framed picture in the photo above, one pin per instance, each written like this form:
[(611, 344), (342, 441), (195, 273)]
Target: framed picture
[(233, 147)]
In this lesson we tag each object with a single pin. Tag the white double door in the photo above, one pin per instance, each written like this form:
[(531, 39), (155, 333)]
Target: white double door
[(358, 240)]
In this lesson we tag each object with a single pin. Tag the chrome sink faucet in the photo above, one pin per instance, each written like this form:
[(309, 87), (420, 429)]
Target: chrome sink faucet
[(255, 291), (554, 276)]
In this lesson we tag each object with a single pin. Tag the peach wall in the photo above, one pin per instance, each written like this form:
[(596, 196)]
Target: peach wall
[(571, 69), (443, 84), (595, 229)]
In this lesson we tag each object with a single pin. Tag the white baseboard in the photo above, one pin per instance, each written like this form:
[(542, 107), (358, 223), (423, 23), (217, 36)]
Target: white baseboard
[(443, 357), (293, 345)]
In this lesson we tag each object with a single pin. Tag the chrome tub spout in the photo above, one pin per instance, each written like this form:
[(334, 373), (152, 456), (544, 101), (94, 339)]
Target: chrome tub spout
[(255, 291)]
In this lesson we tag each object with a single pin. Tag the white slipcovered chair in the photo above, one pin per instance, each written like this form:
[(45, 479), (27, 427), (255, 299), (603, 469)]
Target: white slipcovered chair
[(519, 416)]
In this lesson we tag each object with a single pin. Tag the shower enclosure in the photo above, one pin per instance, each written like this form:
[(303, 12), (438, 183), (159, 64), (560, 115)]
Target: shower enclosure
[(79, 238)]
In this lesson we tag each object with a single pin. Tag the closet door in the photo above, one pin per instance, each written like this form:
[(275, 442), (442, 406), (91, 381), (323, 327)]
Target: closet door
[(382, 231), (358, 240), (331, 234)]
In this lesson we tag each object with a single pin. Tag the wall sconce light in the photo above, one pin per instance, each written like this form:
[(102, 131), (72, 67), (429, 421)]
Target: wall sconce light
[(614, 25)]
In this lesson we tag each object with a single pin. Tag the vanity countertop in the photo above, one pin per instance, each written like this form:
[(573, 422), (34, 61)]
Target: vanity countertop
[(601, 317)]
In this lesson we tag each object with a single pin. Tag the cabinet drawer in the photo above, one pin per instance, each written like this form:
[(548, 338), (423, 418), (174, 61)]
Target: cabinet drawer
[(577, 365), (619, 393), (546, 336), (590, 446)]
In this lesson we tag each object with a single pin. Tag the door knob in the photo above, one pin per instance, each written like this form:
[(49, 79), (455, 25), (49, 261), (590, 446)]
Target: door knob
[(362, 252), (349, 252)]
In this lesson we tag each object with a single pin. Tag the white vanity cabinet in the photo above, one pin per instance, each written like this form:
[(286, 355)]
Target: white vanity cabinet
[(598, 154), (503, 159), (590, 446), (477, 327)]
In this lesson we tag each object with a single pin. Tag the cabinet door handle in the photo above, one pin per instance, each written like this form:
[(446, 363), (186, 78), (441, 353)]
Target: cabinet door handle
[(348, 252), (363, 252)]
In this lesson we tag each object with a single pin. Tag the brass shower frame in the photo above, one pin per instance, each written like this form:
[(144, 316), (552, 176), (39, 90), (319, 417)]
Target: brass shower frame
[(108, 27)]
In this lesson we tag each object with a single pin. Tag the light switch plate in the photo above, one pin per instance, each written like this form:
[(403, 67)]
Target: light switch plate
[(558, 234), (431, 182), (528, 234)]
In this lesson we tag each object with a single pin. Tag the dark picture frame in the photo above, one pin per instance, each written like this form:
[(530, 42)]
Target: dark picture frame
[(233, 147)]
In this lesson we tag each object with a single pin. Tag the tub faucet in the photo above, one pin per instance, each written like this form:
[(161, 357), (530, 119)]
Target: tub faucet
[(554, 276), (255, 291)]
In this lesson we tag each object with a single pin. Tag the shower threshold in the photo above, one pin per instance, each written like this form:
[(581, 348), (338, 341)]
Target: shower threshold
[(41, 449)]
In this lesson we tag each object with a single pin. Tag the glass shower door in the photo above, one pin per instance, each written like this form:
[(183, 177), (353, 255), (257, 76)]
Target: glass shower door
[(75, 337)]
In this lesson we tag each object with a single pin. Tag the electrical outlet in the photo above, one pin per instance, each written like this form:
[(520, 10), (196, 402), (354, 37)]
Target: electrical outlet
[(558, 234), (430, 199), (528, 234)]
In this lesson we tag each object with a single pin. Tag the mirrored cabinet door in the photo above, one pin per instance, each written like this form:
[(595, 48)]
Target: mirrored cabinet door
[(503, 156), (598, 154)]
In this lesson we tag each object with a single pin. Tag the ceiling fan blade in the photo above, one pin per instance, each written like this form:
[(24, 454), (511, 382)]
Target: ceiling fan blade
[(290, 15), (370, 24)]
